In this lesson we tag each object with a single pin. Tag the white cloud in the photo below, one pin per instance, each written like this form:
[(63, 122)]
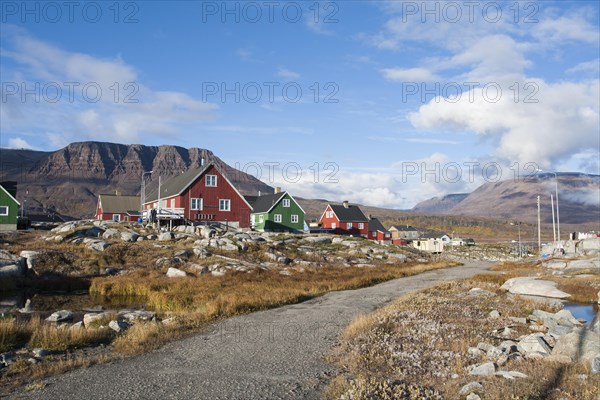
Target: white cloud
[(409, 74), (18, 143), (288, 74), (122, 110), (592, 67), (572, 26)]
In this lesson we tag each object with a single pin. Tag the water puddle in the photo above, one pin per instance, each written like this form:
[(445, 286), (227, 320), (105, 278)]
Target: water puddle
[(583, 311)]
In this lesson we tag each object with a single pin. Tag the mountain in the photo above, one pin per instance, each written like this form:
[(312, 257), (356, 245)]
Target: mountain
[(578, 195), (439, 205), (69, 180)]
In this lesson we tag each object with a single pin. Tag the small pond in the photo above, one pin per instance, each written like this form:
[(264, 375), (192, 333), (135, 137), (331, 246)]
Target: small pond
[(583, 311)]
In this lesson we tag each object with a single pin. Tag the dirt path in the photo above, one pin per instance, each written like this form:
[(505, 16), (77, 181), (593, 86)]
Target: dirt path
[(274, 354)]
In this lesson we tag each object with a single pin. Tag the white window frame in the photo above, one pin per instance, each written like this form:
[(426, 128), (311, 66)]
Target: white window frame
[(277, 218), (333, 225), (361, 225), (171, 203), (349, 225), (211, 181), (261, 218), (198, 207), (116, 217), (6, 212), (285, 202), (223, 202), (294, 218)]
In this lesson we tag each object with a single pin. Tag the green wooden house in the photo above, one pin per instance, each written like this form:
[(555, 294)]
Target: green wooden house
[(278, 212), (9, 210)]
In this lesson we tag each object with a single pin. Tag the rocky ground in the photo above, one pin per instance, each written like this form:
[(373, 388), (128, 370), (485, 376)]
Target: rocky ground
[(469, 339)]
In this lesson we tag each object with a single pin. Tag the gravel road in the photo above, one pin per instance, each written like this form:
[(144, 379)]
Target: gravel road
[(274, 354)]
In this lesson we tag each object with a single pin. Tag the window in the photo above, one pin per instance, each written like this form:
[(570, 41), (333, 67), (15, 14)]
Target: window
[(172, 203), (278, 218), (196, 204), (333, 226), (286, 202), (3, 210), (261, 219), (387, 235), (224, 205), (211, 180), (116, 217), (361, 225), (329, 214), (294, 219), (349, 225)]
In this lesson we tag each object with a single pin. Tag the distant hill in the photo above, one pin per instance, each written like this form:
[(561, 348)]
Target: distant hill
[(439, 205), (69, 180), (578, 195)]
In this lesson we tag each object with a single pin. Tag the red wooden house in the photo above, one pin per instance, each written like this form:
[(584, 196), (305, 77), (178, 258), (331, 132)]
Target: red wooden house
[(378, 232), (115, 207), (345, 219), (201, 194)]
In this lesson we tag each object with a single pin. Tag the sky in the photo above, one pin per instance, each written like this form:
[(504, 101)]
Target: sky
[(385, 103)]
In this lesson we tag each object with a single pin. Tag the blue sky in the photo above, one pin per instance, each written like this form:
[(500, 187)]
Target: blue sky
[(400, 100)]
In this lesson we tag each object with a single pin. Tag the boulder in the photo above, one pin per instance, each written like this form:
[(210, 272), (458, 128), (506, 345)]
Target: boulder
[(200, 269), (95, 232), (129, 236), (7, 258), (494, 314), (473, 396), (317, 239), (534, 287), (595, 365), (31, 257), (168, 262), (556, 265), (534, 343), (12, 270), (207, 232), (486, 369), (133, 315), (40, 353), (97, 245), (593, 264), (165, 236), (60, 316), (175, 273), (89, 318), (118, 325), (470, 388), (581, 344), (398, 256), (111, 233)]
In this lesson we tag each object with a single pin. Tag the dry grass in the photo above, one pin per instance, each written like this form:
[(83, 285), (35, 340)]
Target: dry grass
[(12, 334), (422, 339)]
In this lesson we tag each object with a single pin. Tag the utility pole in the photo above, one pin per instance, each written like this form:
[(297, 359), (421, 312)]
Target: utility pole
[(553, 225), (539, 228)]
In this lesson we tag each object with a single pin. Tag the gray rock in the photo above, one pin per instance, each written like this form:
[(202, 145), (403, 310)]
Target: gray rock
[(31, 257), (134, 315), (12, 270), (201, 252), (165, 236), (26, 308), (486, 369), (7, 359), (89, 318), (534, 287), (580, 344), (508, 347), (317, 239), (518, 320), (583, 264), (470, 388), (473, 396), (111, 233), (534, 343), (129, 236), (200, 269), (94, 232), (175, 273), (494, 314), (97, 245), (595, 365), (40, 353), (398, 256), (556, 265), (217, 273), (60, 316), (169, 262), (183, 253), (475, 352), (118, 325)]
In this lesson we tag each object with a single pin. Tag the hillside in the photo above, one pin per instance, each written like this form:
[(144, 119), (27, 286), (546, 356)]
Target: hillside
[(70, 179), (440, 205)]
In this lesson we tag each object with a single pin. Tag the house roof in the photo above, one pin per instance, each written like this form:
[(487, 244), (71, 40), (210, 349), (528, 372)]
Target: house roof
[(404, 228), (348, 214), (376, 225), (117, 204), (9, 195), (432, 235), (178, 183), (263, 204)]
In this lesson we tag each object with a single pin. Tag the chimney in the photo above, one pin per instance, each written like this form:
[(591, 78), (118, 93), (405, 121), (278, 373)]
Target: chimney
[(370, 217), (278, 189), (346, 204)]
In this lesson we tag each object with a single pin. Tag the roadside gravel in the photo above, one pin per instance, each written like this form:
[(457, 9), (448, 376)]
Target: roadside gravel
[(274, 354)]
